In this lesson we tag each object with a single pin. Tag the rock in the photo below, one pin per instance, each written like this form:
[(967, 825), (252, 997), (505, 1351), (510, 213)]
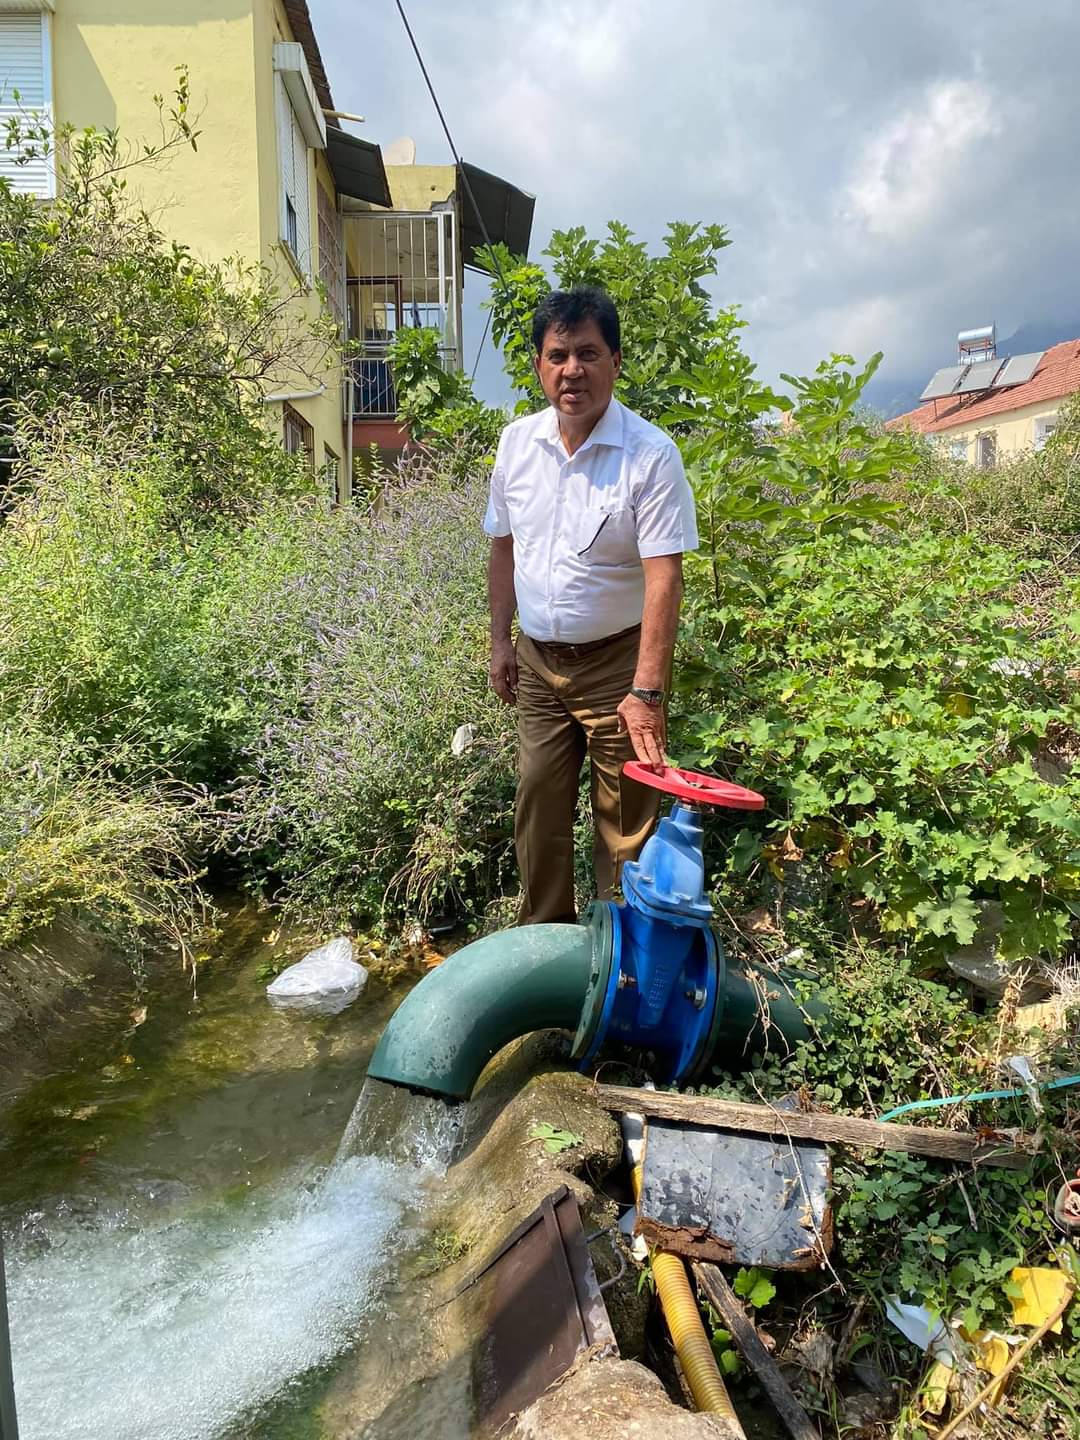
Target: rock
[(980, 963), (324, 982), (613, 1400), (864, 1412)]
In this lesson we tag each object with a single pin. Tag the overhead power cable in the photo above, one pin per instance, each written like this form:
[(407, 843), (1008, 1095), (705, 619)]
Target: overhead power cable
[(499, 276)]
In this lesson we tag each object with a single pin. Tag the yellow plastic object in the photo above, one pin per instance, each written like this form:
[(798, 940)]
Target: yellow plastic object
[(688, 1334), (1041, 1292), (935, 1388)]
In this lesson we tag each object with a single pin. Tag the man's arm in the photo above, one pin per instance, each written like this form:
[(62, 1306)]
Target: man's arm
[(503, 673), (647, 724)]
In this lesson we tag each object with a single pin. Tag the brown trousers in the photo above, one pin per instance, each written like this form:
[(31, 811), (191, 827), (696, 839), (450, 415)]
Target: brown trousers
[(566, 701)]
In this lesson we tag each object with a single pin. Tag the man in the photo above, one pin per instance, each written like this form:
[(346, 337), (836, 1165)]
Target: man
[(590, 513)]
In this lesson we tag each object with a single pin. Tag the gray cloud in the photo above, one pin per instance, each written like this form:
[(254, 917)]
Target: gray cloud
[(889, 173)]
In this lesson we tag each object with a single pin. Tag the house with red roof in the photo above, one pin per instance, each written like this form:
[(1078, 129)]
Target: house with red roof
[(986, 409)]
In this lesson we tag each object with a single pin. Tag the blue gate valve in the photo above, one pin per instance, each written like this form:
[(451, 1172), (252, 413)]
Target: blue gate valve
[(658, 981)]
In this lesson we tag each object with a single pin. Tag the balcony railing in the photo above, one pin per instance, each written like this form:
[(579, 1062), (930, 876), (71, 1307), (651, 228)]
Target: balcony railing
[(374, 397), (410, 279)]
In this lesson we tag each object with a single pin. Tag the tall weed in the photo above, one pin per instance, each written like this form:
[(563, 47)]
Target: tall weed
[(354, 795), (117, 853)]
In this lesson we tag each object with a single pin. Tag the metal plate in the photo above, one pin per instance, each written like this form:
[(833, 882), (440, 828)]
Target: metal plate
[(1018, 369), (545, 1309), (980, 376), (944, 382), (736, 1199)]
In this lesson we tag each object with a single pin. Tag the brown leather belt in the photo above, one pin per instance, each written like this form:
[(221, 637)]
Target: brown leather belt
[(587, 647)]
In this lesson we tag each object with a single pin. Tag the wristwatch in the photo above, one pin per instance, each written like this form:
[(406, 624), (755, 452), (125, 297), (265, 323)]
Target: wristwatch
[(650, 697)]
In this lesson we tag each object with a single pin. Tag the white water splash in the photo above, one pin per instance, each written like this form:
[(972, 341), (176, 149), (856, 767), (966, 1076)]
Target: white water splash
[(420, 1131), (137, 1331)]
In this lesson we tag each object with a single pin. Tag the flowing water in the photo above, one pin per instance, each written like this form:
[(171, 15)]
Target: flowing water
[(194, 1226)]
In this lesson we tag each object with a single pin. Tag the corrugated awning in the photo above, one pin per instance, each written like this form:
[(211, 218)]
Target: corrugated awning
[(357, 167), (506, 210)]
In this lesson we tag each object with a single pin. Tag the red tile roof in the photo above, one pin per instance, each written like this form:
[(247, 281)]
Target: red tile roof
[(1058, 374)]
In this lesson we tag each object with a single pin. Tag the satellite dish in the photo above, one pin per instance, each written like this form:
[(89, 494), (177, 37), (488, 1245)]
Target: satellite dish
[(400, 152)]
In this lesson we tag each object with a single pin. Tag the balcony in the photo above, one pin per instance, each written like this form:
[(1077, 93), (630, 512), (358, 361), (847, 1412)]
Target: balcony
[(410, 276)]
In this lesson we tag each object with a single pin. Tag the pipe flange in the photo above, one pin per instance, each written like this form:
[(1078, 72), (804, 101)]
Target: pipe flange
[(603, 979), (711, 1032)]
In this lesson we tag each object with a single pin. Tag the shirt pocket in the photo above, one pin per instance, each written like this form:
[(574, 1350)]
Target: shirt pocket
[(607, 537)]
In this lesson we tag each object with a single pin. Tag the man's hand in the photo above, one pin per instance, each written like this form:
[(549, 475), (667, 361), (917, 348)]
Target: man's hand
[(647, 727), (503, 671)]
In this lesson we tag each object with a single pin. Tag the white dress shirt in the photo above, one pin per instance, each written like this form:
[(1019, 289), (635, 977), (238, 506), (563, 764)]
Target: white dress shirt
[(583, 523)]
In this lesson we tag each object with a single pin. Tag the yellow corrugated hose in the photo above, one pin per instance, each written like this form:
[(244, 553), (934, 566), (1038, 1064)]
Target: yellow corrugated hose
[(688, 1333)]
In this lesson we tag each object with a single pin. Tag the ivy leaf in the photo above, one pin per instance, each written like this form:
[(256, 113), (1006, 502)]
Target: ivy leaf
[(861, 792), (729, 1362), (754, 1286), (955, 914), (555, 1141)]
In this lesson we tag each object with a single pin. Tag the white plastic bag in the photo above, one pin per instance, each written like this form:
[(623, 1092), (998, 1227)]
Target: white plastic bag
[(322, 983)]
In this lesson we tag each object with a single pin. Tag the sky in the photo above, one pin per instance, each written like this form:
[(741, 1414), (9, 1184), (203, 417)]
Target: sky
[(889, 173)]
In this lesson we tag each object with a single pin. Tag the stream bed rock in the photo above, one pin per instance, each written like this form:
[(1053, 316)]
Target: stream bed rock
[(613, 1400)]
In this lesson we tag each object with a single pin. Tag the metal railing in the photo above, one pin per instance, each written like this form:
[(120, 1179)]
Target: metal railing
[(374, 396)]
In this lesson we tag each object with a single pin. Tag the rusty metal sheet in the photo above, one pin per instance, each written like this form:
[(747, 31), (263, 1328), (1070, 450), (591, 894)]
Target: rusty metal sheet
[(734, 1198), (545, 1309)]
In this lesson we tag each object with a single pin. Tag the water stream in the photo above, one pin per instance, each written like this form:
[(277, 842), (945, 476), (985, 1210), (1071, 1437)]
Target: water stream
[(199, 1216)]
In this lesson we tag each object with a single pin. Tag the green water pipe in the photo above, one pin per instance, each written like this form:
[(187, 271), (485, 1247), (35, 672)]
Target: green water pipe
[(539, 977), (974, 1096), (499, 988)]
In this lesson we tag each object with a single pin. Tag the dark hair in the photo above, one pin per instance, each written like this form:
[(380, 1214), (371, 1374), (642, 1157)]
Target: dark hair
[(567, 309)]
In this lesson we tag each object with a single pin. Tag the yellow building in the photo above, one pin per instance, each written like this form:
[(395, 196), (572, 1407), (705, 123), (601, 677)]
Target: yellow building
[(277, 181), (986, 409)]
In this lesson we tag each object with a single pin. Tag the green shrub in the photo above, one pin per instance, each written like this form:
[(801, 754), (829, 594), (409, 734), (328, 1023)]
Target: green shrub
[(127, 613), (889, 700), (884, 688), (100, 310), (1027, 503), (352, 793), (664, 309), (438, 406)]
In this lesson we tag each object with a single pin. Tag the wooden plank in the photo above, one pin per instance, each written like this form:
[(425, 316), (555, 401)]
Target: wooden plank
[(963, 1145), (725, 1302)]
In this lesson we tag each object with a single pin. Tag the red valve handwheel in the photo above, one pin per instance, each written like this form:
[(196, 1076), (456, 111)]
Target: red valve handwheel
[(695, 787)]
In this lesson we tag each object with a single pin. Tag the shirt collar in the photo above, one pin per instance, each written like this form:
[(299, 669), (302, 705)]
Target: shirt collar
[(608, 430)]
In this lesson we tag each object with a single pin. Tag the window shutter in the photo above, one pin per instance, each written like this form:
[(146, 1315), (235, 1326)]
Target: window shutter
[(293, 162), (287, 187), (301, 195), (23, 64)]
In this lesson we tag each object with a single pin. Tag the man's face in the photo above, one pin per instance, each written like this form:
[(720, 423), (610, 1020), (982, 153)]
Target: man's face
[(578, 372)]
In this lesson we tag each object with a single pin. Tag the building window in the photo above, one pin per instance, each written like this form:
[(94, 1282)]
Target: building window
[(298, 436), (26, 68), (294, 183), (958, 449), (986, 449), (331, 256), (332, 474), (1045, 426)]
